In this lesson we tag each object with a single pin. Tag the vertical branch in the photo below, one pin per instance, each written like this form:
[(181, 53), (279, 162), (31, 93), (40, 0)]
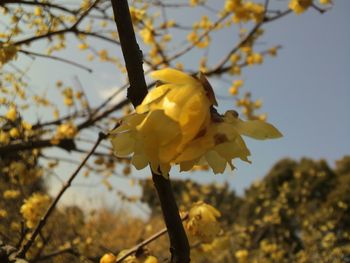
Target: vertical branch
[(131, 52), (179, 246)]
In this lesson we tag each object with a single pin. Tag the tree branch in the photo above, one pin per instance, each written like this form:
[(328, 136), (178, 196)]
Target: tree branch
[(131, 52), (179, 246), (147, 241), (22, 252)]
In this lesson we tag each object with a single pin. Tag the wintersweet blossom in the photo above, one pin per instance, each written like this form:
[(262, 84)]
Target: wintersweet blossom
[(34, 207), (108, 258), (177, 124), (299, 6), (202, 222)]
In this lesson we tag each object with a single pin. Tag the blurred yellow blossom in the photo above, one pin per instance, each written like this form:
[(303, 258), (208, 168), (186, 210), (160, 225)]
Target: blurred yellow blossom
[(136, 14), (38, 11), (11, 194), (202, 222), (242, 256), (11, 113), (7, 53), (66, 131), (83, 46), (151, 259), (108, 258), (3, 213), (14, 133), (34, 207), (4, 137), (299, 6)]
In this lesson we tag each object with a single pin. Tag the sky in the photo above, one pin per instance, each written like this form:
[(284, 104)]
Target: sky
[(305, 91)]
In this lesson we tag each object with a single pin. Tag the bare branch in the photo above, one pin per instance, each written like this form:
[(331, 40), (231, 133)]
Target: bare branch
[(22, 252), (147, 241)]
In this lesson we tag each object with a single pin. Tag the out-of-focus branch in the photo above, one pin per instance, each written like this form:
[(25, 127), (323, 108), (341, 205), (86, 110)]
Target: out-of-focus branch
[(66, 144), (37, 3), (35, 54), (22, 252), (144, 243)]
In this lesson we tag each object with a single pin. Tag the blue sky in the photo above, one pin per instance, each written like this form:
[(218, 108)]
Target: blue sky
[(305, 90)]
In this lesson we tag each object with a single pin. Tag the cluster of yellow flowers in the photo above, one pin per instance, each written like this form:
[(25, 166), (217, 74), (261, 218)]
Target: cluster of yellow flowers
[(249, 107), (11, 194), (33, 208), (242, 256), (11, 114), (68, 96), (147, 33), (7, 53), (17, 128), (236, 84), (202, 223), (244, 11), (177, 124), (66, 131), (137, 15), (111, 258), (199, 42), (300, 6)]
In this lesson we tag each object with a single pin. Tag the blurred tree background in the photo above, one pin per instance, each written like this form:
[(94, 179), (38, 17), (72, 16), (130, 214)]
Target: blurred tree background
[(299, 212)]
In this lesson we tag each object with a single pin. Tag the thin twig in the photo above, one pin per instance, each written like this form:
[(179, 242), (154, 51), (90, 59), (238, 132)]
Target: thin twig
[(22, 252), (147, 241), (35, 54)]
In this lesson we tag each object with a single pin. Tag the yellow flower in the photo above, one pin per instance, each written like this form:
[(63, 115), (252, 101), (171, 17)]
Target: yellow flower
[(299, 6), (3, 213), (7, 53), (235, 58), (233, 90), (202, 222), (177, 124), (151, 259), (129, 259), (103, 54), (33, 208), (272, 51), (194, 39), (11, 194), (83, 46), (169, 117), (4, 137), (14, 133), (242, 256), (38, 11), (137, 15), (222, 142), (11, 114), (231, 5), (66, 131), (108, 258), (26, 126)]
